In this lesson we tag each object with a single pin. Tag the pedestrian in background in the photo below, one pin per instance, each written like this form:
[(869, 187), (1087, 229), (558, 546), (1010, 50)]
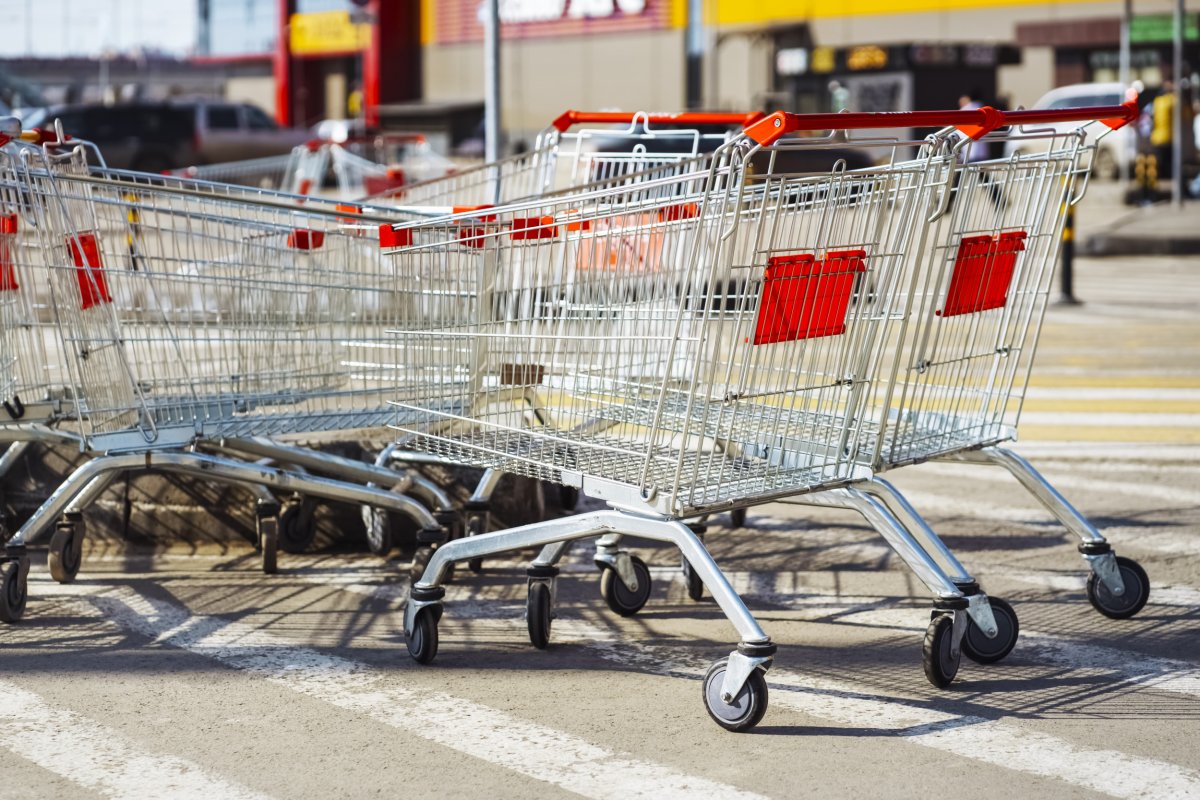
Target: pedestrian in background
[(978, 151), (1162, 134)]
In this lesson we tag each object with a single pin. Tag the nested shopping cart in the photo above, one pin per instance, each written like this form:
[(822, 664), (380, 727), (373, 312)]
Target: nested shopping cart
[(300, 172), (383, 163), (199, 325), (564, 156), (367, 165), (652, 387), (954, 374), (33, 394)]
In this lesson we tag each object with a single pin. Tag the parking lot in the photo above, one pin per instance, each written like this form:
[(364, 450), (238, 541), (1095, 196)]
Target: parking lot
[(180, 673)]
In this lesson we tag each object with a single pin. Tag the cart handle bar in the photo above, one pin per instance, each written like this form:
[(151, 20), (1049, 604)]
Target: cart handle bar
[(35, 136), (569, 118), (974, 123)]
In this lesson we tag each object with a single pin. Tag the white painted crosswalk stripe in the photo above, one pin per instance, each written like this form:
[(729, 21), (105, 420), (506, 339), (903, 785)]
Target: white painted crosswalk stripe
[(1170, 494), (471, 728), (996, 742), (99, 758), (1101, 419)]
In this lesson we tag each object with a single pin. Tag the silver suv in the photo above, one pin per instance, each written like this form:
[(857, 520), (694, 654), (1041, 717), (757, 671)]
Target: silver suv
[(237, 131)]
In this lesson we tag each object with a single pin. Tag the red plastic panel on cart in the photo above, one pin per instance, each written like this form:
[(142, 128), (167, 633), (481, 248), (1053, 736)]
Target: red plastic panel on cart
[(392, 178), (8, 270), (534, 228), (89, 270), (804, 297), (303, 239), (983, 271)]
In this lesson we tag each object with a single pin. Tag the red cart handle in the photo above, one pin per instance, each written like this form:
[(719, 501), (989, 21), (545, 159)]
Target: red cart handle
[(569, 118), (974, 123), (33, 136)]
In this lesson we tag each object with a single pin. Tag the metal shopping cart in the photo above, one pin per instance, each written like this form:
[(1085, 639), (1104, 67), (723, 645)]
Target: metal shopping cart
[(384, 163), (653, 145), (194, 321), (300, 172), (647, 386), (958, 367)]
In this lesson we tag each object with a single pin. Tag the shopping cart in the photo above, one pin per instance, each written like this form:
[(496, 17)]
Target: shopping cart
[(959, 365), (653, 145), (301, 171), (384, 163), (195, 321), (652, 389), (32, 385)]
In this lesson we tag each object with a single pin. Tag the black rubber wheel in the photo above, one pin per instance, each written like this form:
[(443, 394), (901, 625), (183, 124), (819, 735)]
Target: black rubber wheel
[(476, 524), (747, 708), (423, 641), (538, 615), (66, 553), (13, 592), (420, 562), (617, 594), (982, 650), (297, 526), (568, 497), (737, 518), (695, 586), (940, 664), (1137, 591), (268, 544), (379, 530)]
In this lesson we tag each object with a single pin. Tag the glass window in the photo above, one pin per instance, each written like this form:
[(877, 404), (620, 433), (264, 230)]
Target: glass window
[(257, 119), (223, 118)]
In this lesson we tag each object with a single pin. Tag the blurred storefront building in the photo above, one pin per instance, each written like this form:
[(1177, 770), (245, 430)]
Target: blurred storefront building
[(308, 60), (803, 55)]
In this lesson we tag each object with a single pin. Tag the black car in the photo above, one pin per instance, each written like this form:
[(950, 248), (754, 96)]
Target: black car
[(149, 137)]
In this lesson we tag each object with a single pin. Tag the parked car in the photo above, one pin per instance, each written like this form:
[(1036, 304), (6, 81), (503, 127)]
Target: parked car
[(153, 137), (149, 137), (237, 131), (1115, 150)]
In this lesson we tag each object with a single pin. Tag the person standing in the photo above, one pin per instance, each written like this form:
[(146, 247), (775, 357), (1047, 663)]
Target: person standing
[(977, 151), (1162, 133)]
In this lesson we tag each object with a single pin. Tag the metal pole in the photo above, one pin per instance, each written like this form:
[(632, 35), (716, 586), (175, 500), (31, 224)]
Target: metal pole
[(1126, 22), (1177, 133), (491, 81), (1066, 272), (695, 54)]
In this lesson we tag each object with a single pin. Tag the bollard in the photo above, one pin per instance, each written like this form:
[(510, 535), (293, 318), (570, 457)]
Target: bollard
[(1066, 273)]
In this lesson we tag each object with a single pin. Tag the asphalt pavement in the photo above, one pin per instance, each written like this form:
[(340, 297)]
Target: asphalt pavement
[(188, 673)]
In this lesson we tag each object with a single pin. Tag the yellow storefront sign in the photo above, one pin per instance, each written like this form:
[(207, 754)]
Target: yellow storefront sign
[(327, 32)]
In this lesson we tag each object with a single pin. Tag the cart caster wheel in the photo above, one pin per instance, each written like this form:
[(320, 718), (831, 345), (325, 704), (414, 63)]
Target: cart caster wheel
[(941, 665), (982, 650), (737, 518), (617, 594), (476, 524), (538, 614), (66, 552), (568, 497), (423, 641), (747, 708), (379, 531), (695, 586), (14, 591), (268, 543), (1137, 591), (297, 526), (420, 562)]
